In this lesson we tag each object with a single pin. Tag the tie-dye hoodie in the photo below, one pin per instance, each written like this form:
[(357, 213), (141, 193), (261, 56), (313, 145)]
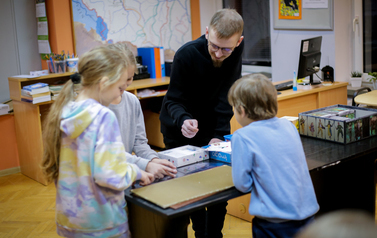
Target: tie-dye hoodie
[(93, 173)]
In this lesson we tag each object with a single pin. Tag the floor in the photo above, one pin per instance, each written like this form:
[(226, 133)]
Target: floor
[(27, 209)]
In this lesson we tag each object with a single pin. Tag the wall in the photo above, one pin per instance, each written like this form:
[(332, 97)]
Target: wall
[(207, 9), (18, 41), (8, 145), (336, 45), (59, 25), (343, 39), (9, 65), (285, 49)]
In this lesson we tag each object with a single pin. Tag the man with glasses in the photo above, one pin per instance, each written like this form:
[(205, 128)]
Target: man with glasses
[(195, 110)]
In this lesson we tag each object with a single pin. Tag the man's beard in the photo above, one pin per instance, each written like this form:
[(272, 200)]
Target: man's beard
[(217, 63)]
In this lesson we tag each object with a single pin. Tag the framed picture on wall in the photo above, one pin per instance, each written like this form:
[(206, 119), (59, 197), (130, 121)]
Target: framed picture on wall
[(290, 9), (290, 15)]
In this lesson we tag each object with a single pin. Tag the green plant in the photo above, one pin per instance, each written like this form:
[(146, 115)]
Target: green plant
[(356, 74), (374, 76)]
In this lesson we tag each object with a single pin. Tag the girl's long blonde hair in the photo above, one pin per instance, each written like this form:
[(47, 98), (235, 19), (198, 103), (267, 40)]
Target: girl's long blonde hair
[(93, 66)]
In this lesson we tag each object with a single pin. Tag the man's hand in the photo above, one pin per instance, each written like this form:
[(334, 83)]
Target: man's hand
[(215, 140), (160, 168), (189, 128), (146, 178)]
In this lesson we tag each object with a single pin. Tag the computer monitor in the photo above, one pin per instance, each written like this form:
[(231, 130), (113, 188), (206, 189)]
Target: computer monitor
[(310, 57)]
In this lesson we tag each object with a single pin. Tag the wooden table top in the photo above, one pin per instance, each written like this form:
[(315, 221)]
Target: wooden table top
[(369, 98)]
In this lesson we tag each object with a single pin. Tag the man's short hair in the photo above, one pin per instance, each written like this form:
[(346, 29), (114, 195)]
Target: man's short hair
[(226, 22), (256, 94)]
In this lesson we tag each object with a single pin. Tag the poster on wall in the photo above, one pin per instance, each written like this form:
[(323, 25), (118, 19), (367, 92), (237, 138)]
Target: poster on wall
[(138, 23), (290, 9), (43, 42)]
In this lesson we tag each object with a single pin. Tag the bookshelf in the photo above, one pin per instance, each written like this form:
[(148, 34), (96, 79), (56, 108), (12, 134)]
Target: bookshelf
[(29, 119)]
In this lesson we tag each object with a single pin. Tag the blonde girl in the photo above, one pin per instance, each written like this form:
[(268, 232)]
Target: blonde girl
[(84, 153)]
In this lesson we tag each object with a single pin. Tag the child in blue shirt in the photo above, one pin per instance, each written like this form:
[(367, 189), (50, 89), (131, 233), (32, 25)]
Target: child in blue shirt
[(268, 160), (84, 153)]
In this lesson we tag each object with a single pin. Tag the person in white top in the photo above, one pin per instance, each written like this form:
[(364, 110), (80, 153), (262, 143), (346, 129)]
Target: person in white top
[(131, 123)]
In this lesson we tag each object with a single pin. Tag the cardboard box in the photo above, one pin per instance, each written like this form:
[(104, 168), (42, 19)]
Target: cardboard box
[(346, 124), (184, 155), (220, 151), (221, 156)]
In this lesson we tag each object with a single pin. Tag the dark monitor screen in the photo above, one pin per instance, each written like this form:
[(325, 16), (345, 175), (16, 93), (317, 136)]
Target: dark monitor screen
[(310, 57)]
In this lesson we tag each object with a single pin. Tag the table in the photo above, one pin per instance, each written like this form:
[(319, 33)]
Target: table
[(172, 213), (344, 176), (369, 99)]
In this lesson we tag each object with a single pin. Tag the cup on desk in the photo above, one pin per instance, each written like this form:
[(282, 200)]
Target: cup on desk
[(50, 66), (59, 66), (72, 64)]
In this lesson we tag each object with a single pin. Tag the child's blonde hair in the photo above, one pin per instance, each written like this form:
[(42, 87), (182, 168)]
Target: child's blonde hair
[(123, 47), (93, 66), (256, 94)]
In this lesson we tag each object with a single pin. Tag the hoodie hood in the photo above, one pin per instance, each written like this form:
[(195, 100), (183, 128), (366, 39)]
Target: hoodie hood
[(77, 116)]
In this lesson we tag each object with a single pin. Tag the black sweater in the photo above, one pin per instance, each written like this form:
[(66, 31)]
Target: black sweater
[(199, 91)]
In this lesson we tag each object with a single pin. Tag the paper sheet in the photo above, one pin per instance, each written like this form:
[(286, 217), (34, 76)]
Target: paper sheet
[(40, 10), (315, 4)]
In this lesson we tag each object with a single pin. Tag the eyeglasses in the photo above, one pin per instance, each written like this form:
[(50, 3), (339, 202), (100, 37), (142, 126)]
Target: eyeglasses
[(224, 50)]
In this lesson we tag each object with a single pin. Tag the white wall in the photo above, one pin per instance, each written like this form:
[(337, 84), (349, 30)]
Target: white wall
[(207, 9), (285, 49), (18, 41), (9, 65), (343, 38)]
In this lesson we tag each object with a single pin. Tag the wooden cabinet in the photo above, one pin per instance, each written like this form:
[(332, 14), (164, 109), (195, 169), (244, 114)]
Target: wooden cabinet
[(29, 118), (29, 124), (291, 103)]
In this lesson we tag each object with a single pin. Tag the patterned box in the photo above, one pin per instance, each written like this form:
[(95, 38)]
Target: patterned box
[(339, 123)]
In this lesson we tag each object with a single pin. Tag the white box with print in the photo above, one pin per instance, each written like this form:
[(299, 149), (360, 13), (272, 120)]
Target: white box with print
[(184, 155)]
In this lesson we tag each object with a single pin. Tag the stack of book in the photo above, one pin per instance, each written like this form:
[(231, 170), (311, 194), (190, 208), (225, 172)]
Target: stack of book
[(36, 93), (55, 90)]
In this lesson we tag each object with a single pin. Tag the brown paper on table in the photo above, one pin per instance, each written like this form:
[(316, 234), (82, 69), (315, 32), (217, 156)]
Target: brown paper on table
[(170, 192)]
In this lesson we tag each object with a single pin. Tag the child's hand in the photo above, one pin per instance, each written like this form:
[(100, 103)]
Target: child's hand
[(146, 178), (161, 167), (215, 140), (189, 128)]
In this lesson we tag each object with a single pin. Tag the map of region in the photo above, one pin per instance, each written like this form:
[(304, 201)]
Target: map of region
[(142, 23)]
